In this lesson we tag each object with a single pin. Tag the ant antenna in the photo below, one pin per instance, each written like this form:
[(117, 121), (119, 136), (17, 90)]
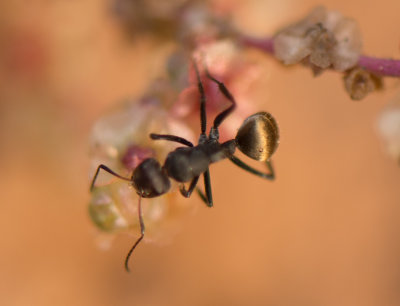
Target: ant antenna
[(105, 168), (142, 229)]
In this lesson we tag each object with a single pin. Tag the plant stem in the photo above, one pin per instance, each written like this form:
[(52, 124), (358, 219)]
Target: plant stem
[(379, 66)]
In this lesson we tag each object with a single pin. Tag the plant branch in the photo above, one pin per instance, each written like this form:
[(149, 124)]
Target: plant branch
[(379, 66)]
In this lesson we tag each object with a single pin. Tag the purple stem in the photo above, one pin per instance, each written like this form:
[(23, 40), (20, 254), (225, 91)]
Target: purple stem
[(379, 66), (264, 44)]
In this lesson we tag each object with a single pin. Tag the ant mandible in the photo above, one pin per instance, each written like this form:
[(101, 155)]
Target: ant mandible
[(258, 138)]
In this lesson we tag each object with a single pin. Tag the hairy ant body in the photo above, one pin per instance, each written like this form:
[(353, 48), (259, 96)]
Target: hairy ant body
[(258, 138)]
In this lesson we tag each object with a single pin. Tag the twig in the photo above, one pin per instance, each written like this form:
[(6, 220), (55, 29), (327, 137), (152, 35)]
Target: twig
[(379, 66)]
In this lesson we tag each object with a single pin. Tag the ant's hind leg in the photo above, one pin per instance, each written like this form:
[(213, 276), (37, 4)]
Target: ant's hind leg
[(221, 116), (105, 168), (244, 166)]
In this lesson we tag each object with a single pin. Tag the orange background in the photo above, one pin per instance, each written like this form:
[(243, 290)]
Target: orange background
[(326, 232)]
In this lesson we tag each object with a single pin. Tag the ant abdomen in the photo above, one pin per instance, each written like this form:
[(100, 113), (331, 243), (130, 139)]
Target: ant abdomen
[(258, 137), (149, 180)]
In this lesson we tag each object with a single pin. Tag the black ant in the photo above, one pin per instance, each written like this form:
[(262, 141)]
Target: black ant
[(258, 138)]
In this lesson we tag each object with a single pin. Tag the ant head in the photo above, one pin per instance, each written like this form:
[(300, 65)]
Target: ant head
[(258, 137)]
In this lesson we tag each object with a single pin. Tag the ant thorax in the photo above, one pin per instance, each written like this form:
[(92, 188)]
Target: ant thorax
[(186, 163), (214, 134)]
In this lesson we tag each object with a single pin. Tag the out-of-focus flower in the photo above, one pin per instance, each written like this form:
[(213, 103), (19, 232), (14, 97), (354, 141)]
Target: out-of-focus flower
[(149, 16), (200, 24), (24, 56), (225, 61), (121, 140), (191, 22), (323, 39), (389, 128)]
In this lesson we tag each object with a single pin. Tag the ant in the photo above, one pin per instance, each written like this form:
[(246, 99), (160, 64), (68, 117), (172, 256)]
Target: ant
[(258, 138)]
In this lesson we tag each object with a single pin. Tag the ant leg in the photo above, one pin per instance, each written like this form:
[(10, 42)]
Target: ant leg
[(188, 193), (171, 138), (207, 199), (202, 195), (241, 164), (142, 229), (105, 168), (203, 117), (221, 116), (207, 186)]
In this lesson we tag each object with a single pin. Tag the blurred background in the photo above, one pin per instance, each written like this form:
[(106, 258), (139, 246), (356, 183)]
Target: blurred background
[(324, 233)]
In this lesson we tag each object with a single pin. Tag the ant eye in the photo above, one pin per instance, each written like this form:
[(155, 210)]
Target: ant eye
[(258, 137)]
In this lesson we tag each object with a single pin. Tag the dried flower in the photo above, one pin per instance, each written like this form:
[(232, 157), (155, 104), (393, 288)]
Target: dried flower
[(156, 17), (190, 21), (121, 140), (323, 39), (359, 83)]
